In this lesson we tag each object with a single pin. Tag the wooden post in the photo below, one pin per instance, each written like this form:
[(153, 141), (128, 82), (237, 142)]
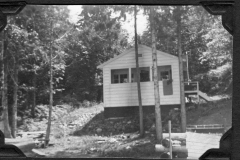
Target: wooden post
[(187, 68), (170, 139), (182, 94), (138, 76), (198, 94), (155, 79), (151, 78), (130, 75)]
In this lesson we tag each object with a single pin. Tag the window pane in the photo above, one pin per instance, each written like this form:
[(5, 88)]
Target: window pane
[(119, 76), (123, 78), (115, 79), (164, 75), (164, 72), (144, 74)]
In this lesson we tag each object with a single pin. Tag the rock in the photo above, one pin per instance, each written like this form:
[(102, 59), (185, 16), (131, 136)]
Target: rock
[(128, 147), (93, 149), (99, 130), (129, 122), (112, 140), (153, 128)]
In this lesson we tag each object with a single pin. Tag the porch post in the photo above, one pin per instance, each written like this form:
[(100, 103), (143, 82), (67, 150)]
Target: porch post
[(150, 73), (130, 75)]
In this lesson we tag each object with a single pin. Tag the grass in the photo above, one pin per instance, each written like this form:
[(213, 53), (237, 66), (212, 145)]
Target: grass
[(211, 113)]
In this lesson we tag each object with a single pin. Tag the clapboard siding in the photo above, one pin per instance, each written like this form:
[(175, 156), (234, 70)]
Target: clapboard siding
[(125, 94)]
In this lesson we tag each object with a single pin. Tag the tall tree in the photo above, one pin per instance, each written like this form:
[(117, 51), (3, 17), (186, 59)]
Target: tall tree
[(51, 89), (97, 38), (15, 96), (180, 61), (4, 59), (155, 78), (138, 75)]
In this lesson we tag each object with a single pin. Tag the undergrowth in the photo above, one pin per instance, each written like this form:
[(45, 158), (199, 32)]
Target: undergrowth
[(206, 109)]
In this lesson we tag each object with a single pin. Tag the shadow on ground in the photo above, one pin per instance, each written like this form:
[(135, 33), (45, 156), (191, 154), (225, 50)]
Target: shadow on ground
[(98, 125)]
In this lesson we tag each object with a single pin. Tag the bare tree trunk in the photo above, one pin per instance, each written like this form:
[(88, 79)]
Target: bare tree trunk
[(138, 76), (34, 96), (51, 93), (15, 99), (182, 93), (7, 131), (155, 79)]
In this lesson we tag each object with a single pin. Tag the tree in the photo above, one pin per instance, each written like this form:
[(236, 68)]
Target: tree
[(4, 59), (155, 78), (182, 92), (138, 75), (97, 38), (51, 90)]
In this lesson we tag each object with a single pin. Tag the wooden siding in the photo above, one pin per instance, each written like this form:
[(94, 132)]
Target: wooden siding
[(125, 94)]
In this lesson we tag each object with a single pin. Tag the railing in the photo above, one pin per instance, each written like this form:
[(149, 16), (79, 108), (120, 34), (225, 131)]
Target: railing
[(210, 126), (191, 86)]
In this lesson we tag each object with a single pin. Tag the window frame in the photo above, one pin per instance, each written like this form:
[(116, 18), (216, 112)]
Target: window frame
[(119, 75)]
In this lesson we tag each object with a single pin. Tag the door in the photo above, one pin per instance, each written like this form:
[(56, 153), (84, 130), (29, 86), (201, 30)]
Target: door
[(165, 75)]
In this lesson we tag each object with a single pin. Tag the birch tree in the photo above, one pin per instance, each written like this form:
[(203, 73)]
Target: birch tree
[(155, 78)]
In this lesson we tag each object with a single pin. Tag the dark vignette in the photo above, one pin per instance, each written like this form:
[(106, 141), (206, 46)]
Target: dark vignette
[(230, 139)]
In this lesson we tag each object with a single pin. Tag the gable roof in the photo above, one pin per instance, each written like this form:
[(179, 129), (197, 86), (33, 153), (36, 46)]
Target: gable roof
[(133, 49)]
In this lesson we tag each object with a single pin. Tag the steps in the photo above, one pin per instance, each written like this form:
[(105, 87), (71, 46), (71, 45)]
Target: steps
[(204, 96)]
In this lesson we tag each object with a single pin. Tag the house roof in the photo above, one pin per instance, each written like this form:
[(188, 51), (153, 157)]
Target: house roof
[(132, 49)]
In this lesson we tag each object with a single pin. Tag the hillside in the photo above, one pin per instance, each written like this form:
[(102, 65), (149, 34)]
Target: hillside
[(218, 112)]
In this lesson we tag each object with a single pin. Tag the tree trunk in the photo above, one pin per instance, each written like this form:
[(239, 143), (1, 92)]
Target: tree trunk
[(7, 131), (138, 76), (15, 99), (155, 79), (51, 93), (34, 96), (182, 93)]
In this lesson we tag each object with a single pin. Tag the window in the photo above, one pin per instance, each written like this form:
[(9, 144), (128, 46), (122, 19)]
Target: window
[(144, 74), (119, 76), (123, 78), (164, 75), (164, 72)]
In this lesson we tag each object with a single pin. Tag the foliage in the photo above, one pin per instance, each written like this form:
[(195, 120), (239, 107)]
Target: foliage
[(99, 39), (204, 39)]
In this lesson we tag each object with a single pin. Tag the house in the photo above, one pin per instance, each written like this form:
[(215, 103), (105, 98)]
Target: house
[(120, 94)]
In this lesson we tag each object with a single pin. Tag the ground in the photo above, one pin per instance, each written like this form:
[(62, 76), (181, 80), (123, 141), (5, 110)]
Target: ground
[(90, 135)]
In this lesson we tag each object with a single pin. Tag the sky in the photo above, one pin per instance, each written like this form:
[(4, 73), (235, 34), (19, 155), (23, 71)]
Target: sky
[(75, 10)]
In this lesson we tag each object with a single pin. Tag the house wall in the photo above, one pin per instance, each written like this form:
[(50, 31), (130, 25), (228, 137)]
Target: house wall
[(125, 94)]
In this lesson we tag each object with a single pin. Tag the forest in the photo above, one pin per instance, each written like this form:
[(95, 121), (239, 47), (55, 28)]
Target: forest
[(41, 46)]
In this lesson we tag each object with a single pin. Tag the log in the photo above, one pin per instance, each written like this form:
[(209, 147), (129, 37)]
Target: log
[(175, 142), (180, 149), (38, 152), (175, 135), (37, 132)]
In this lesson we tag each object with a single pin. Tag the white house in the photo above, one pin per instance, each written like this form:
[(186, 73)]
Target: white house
[(120, 94)]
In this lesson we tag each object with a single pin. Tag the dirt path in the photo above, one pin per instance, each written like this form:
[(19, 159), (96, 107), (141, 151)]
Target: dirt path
[(198, 143)]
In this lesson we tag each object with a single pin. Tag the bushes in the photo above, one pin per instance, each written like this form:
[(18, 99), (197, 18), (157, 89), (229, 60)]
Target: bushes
[(216, 81)]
